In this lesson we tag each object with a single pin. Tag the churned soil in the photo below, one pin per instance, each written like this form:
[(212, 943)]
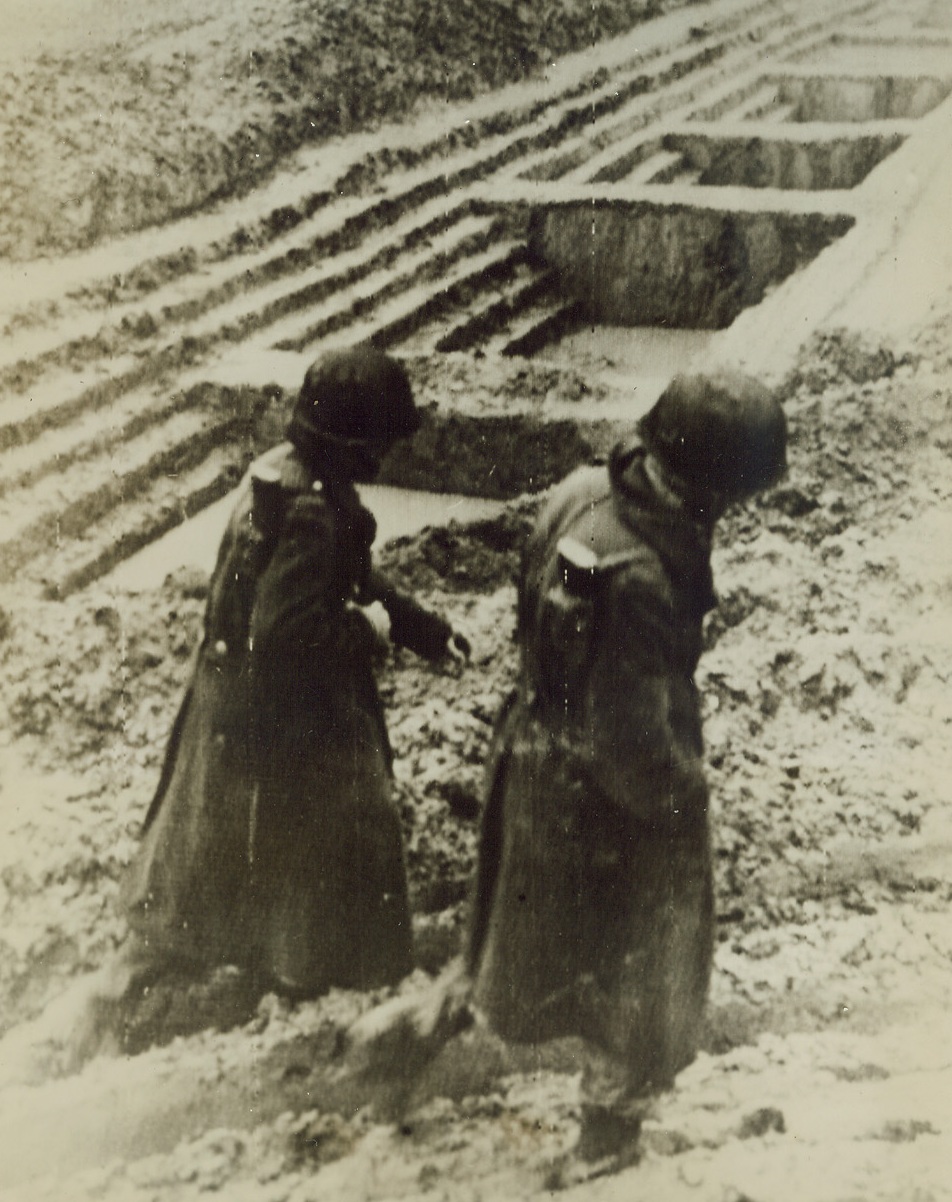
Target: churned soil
[(827, 711)]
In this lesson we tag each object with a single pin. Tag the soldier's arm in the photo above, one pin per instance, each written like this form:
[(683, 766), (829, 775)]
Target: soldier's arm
[(642, 716), (638, 757), (304, 582), (413, 625)]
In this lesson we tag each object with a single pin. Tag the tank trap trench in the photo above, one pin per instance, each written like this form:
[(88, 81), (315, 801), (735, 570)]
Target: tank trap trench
[(674, 203)]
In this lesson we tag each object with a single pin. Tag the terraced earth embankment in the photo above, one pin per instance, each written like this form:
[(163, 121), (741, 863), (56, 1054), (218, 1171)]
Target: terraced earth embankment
[(722, 184), (674, 187)]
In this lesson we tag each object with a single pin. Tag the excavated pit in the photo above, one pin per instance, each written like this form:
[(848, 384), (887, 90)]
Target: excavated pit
[(634, 263), (876, 98), (829, 163)]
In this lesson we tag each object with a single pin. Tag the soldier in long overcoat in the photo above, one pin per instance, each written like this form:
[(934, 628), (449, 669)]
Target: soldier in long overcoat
[(593, 910), (272, 842)]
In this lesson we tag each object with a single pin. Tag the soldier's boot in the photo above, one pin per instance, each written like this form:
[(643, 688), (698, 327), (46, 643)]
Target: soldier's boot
[(608, 1142), (608, 1136), (614, 1102)]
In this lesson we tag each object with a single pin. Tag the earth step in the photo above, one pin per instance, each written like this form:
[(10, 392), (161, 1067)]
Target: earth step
[(328, 291), (426, 316), (90, 434), (643, 156), (766, 101), (733, 100), (22, 354), (126, 529), (497, 311), (23, 418), (677, 170), (397, 305), (60, 507), (665, 167), (544, 324)]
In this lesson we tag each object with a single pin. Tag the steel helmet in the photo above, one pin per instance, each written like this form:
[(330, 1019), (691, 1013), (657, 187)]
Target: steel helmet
[(352, 396), (722, 435)]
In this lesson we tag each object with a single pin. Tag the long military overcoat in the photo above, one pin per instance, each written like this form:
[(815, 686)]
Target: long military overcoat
[(272, 841), (592, 913)]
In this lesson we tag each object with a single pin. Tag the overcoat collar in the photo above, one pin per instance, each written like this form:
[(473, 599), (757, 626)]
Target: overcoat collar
[(682, 543)]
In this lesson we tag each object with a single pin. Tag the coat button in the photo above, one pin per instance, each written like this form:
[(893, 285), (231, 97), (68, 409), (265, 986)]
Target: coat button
[(218, 651)]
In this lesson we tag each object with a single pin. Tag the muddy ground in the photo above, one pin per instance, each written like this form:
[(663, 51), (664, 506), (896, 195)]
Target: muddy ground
[(825, 1072), (826, 685)]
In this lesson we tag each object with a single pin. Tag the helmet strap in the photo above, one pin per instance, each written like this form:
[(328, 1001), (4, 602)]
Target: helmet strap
[(705, 506), (670, 487), (331, 456)]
